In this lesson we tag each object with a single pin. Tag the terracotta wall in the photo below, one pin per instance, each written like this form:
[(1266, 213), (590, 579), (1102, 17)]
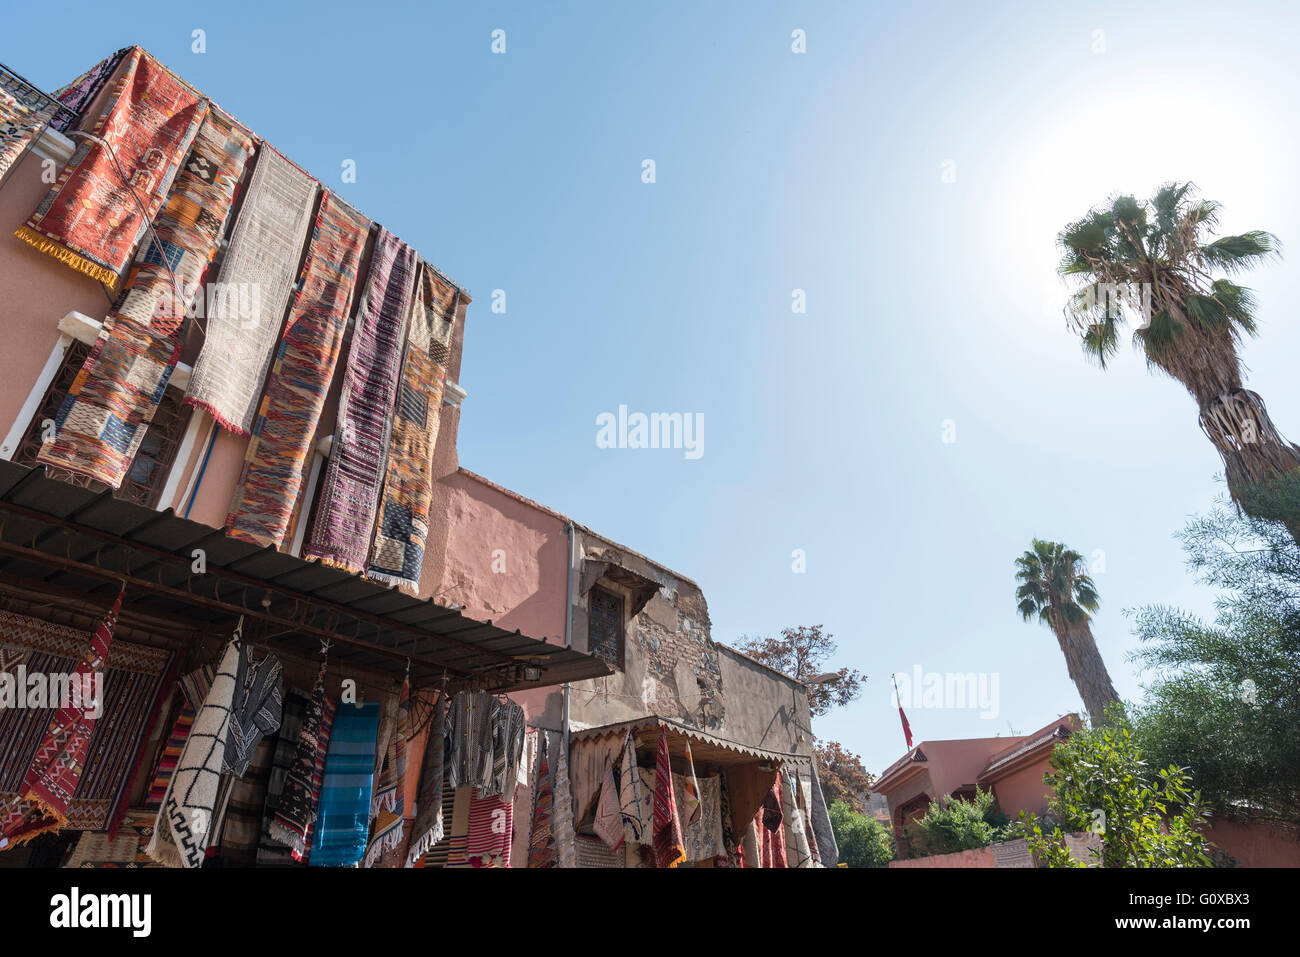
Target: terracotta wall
[(979, 857), (1256, 845), (1024, 790)]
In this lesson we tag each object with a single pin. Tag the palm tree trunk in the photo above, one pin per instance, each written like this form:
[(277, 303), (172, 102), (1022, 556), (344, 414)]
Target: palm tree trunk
[(1253, 451), (1087, 670)]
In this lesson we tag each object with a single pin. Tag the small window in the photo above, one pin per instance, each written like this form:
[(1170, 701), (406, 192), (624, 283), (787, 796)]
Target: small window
[(605, 626), (148, 472)]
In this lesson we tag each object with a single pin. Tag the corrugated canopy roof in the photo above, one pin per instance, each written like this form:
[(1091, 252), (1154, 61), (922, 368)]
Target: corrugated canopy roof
[(704, 747), (58, 539)]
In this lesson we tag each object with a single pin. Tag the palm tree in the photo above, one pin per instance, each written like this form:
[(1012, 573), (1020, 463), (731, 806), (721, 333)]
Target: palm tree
[(1055, 587), (1154, 259)]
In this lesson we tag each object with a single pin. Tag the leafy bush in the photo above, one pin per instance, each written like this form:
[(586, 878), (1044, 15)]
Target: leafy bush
[(957, 824), (863, 841), (1100, 784)]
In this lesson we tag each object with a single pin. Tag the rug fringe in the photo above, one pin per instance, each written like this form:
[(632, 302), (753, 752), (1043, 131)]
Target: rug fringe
[(164, 852), (384, 578), (287, 836), (66, 256), (55, 825), (387, 842), (421, 845), (43, 457), (217, 417), (334, 563), (385, 801)]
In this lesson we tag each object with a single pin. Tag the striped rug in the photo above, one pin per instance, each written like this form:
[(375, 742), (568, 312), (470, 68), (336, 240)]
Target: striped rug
[(113, 399), (345, 511), (170, 754), (133, 685), (256, 278), (263, 503), (78, 94), (88, 220), (403, 521)]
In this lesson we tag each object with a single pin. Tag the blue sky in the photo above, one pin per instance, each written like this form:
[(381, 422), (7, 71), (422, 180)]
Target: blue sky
[(927, 301)]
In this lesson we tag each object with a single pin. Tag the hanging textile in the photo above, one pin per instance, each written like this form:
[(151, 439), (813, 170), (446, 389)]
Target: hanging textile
[(196, 684), (257, 274), (827, 847), (78, 94), (469, 759), (565, 831), (107, 411), (769, 829), (587, 769), (297, 806), (667, 825), (255, 711), (43, 799), (329, 710), (345, 509), (126, 849), (342, 821), (285, 427), (803, 798), (690, 797), (135, 679), (508, 730), (796, 837), (491, 830), (541, 838), (608, 823), (387, 805), (458, 832), (185, 820), (241, 827), (427, 828), (90, 219), (749, 851), (23, 115), (169, 755), (701, 839), (270, 852), (403, 518), (732, 854), (594, 852), (629, 791)]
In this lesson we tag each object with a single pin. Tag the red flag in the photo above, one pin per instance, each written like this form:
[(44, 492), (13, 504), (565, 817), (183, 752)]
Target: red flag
[(907, 728)]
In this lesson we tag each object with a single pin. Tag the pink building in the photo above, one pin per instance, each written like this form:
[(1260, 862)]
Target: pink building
[(1011, 767), (513, 597)]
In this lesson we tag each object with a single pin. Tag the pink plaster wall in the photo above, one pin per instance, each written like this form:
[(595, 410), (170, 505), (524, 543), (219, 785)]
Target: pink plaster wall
[(1024, 790), (36, 291), (979, 857), (1256, 845), (957, 763)]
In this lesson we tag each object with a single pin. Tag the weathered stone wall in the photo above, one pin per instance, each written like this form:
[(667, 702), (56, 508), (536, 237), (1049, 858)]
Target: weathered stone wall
[(671, 665)]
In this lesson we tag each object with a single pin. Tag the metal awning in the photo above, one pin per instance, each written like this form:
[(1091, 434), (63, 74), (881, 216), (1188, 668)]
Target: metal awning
[(704, 746), (82, 545)]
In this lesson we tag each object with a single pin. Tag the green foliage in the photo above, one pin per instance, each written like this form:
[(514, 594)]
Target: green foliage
[(958, 824), (1054, 581), (863, 841), (1102, 785), (1225, 699), (1164, 245)]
